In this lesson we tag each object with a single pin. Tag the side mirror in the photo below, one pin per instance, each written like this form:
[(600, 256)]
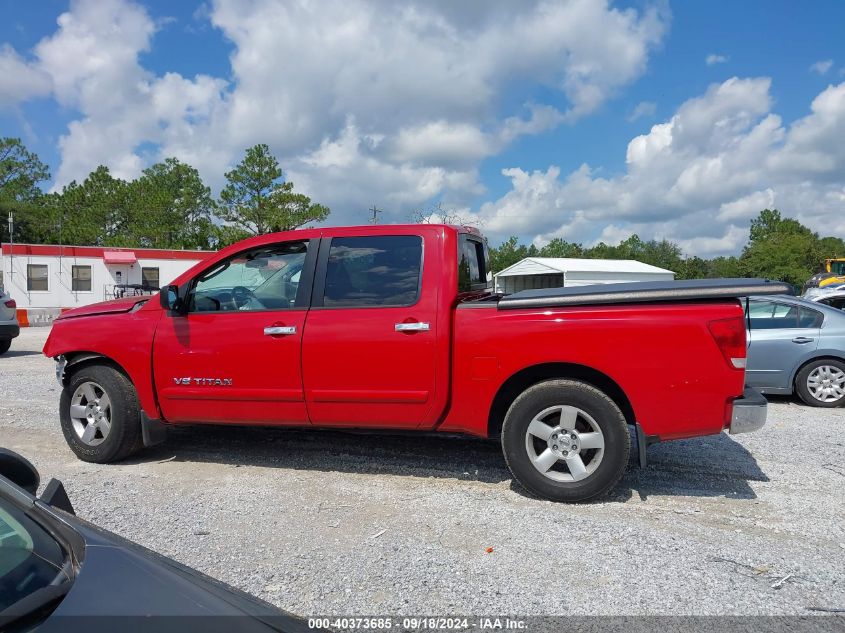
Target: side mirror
[(19, 471), (170, 298)]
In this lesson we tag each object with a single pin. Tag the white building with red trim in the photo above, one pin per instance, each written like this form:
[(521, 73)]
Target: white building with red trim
[(49, 278)]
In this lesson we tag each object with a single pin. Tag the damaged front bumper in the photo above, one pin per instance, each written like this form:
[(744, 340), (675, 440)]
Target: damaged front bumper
[(61, 363)]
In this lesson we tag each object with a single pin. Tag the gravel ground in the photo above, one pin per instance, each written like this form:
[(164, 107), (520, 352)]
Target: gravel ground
[(336, 523)]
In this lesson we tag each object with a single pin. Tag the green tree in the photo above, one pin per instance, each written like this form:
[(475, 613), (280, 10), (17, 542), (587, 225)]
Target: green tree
[(830, 247), (561, 248), (691, 268), (780, 248), (170, 207), (724, 267), (509, 253), (94, 213), (663, 254), (256, 200), (20, 173), (769, 225)]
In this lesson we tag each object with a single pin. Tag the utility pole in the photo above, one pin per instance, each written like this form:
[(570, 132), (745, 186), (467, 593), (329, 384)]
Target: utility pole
[(61, 246), (375, 211)]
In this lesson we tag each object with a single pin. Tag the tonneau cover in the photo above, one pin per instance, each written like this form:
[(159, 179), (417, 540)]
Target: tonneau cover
[(643, 292)]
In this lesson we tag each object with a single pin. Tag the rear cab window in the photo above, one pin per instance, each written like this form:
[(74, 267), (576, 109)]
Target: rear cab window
[(473, 264)]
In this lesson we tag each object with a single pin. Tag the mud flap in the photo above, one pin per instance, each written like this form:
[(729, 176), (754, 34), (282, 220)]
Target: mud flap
[(153, 431), (642, 445)]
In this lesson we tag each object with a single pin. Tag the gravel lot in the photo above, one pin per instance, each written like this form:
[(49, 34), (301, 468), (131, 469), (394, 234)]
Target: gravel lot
[(336, 523)]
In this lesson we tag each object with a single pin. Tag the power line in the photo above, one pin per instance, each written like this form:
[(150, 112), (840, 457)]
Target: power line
[(375, 211)]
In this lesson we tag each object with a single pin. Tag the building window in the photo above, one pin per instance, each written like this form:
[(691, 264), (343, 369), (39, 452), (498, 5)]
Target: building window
[(149, 278), (80, 278), (36, 277)]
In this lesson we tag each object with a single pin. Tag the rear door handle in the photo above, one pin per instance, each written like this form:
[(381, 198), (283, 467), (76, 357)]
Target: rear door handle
[(802, 339), (279, 330), (412, 327)]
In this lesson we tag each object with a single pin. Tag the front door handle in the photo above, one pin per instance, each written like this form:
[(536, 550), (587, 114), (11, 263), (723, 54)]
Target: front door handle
[(279, 330), (802, 339), (412, 327)]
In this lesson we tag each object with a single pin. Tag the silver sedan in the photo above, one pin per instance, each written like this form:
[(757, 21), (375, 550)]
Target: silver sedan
[(8, 321), (797, 346)]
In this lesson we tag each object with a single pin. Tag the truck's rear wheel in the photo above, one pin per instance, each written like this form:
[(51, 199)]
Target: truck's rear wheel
[(99, 414), (565, 440), (5, 344)]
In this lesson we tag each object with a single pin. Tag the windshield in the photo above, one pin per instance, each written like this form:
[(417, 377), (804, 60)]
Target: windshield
[(30, 558)]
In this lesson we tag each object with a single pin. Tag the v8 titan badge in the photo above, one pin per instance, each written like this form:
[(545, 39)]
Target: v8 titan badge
[(205, 382)]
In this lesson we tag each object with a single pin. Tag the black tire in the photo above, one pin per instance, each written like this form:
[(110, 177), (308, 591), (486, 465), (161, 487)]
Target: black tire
[(124, 436), (605, 414), (803, 390), (5, 344)]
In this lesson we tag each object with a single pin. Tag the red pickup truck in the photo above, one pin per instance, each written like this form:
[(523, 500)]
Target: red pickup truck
[(396, 328)]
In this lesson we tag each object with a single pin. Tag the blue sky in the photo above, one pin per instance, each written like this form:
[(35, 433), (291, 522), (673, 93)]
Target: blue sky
[(407, 105)]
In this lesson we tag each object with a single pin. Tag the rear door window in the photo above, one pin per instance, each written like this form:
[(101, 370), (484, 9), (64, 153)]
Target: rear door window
[(810, 318), (373, 271)]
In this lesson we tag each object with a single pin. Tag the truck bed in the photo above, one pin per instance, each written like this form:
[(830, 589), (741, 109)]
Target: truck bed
[(642, 292)]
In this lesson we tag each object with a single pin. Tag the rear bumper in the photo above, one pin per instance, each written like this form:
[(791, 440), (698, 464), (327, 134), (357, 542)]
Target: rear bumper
[(10, 330), (749, 412)]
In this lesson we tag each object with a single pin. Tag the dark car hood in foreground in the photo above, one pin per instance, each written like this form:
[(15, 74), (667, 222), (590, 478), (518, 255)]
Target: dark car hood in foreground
[(123, 586), (124, 304)]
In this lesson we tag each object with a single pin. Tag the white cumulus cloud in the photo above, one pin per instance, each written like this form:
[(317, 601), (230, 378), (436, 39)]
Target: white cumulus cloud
[(697, 178), (644, 109), (821, 67), (388, 102), (20, 80)]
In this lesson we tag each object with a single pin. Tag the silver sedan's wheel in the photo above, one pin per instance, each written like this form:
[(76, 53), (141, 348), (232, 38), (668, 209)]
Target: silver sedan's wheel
[(90, 413), (826, 383), (564, 443)]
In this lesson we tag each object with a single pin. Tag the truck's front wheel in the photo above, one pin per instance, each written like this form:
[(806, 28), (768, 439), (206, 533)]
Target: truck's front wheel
[(99, 414), (565, 440)]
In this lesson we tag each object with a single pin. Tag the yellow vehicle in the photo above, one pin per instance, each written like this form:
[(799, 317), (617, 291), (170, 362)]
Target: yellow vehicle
[(833, 274), (836, 267)]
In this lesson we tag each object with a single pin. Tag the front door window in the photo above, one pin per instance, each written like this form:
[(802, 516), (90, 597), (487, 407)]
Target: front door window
[(265, 278)]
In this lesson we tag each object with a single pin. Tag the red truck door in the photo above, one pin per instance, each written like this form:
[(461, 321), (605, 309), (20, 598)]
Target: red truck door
[(369, 349), (235, 355)]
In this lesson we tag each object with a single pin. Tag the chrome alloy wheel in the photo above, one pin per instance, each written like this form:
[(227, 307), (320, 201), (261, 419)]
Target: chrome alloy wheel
[(564, 443), (826, 383), (90, 413)]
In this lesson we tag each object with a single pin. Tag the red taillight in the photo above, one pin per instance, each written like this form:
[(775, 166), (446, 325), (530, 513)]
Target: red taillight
[(729, 335), (11, 304)]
